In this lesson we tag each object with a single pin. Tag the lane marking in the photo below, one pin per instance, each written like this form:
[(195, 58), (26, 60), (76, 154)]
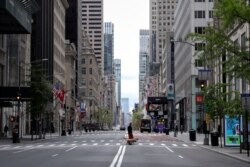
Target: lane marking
[(4, 145), (54, 155), (180, 156), (17, 147), (121, 157), (151, 144), (84, 144), (70, 149), (174, 145), (163, 144), (23, 150), (106, 144), (95, 144), (116, 157), (169, 149), (185, 145), (3, 148)]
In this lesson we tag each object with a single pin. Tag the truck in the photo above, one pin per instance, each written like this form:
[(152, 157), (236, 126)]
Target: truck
[(145, 125)]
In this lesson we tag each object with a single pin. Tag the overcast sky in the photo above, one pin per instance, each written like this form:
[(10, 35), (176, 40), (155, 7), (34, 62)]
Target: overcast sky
[(128, 16)]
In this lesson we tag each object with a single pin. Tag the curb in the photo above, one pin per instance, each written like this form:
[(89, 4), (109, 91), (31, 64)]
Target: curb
[(223, 153)]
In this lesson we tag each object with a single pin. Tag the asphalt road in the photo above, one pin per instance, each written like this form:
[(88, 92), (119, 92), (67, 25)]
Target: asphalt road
[(109, 149)]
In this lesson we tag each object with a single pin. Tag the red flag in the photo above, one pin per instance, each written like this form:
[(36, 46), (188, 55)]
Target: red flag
[(61, 95)]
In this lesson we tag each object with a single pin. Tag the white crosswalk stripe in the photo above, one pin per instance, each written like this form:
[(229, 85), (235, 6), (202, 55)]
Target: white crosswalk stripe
[(97, 142)]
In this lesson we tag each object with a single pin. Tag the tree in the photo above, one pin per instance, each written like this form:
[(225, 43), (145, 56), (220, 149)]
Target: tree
[(41, 94), (231, 60), (218, 103), (136, 119), (105, 118)]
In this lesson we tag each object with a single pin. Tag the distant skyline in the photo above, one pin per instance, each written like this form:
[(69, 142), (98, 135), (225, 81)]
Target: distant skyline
[(128, 16)]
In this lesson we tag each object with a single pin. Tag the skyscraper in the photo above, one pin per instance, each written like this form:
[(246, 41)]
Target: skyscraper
[(117, 70), (191, 17), (125, 110), (108, 48), (143, 60), (92, 21)]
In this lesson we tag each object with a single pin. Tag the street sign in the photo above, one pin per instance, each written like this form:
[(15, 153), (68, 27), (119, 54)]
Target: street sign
[(245, 99)]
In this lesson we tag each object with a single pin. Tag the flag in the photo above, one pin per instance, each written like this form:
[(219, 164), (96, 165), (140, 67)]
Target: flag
[(55, 90), (61, 94)]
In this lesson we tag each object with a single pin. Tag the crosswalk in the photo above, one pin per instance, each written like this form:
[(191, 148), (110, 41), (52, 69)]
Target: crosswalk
[(90, 143)]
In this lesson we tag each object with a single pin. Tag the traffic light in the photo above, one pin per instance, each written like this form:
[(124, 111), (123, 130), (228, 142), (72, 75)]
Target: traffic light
[(12, 119), (202, 84), (18, 96)]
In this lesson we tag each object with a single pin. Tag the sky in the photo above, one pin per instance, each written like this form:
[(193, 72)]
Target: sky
[(128, 17)]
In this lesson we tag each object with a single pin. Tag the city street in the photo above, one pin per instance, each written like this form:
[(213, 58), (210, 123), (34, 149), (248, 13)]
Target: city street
[(109, 149)]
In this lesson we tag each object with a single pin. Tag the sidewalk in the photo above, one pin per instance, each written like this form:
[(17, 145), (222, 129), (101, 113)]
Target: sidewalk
[(27, 138), (233, 152)]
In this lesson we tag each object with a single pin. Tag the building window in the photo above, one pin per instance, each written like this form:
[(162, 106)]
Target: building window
[(83, 61), (83, 83), (199, 46), (199, 0), (90, 61), (199, 30), (199, 14), (243, 42), (83, 70), (90, 92), (90, 71), (211, 14)]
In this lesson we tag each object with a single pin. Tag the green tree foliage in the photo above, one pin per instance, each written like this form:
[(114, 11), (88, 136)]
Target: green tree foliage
[(105, 117), (232, 11), (136, 119), (221, 52), (41, 91), (218, 103)]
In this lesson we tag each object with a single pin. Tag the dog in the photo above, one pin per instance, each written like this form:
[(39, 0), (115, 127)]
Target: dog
[(130, 141)]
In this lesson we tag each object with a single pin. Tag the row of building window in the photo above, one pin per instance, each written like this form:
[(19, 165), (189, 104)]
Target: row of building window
[(202, 14), (84, 71), (83, 61), (203, 0)]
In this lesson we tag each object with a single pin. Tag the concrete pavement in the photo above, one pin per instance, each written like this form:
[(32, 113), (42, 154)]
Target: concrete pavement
[(233, 152)]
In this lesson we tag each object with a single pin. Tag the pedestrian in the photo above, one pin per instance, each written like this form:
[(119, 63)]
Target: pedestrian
[(130, 132), (6, 130), (176, 130)]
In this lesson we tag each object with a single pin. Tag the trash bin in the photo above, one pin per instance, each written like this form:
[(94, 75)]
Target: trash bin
[(166, 131), (15, 137), (215, 139), (192, 135), (63, 133)]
